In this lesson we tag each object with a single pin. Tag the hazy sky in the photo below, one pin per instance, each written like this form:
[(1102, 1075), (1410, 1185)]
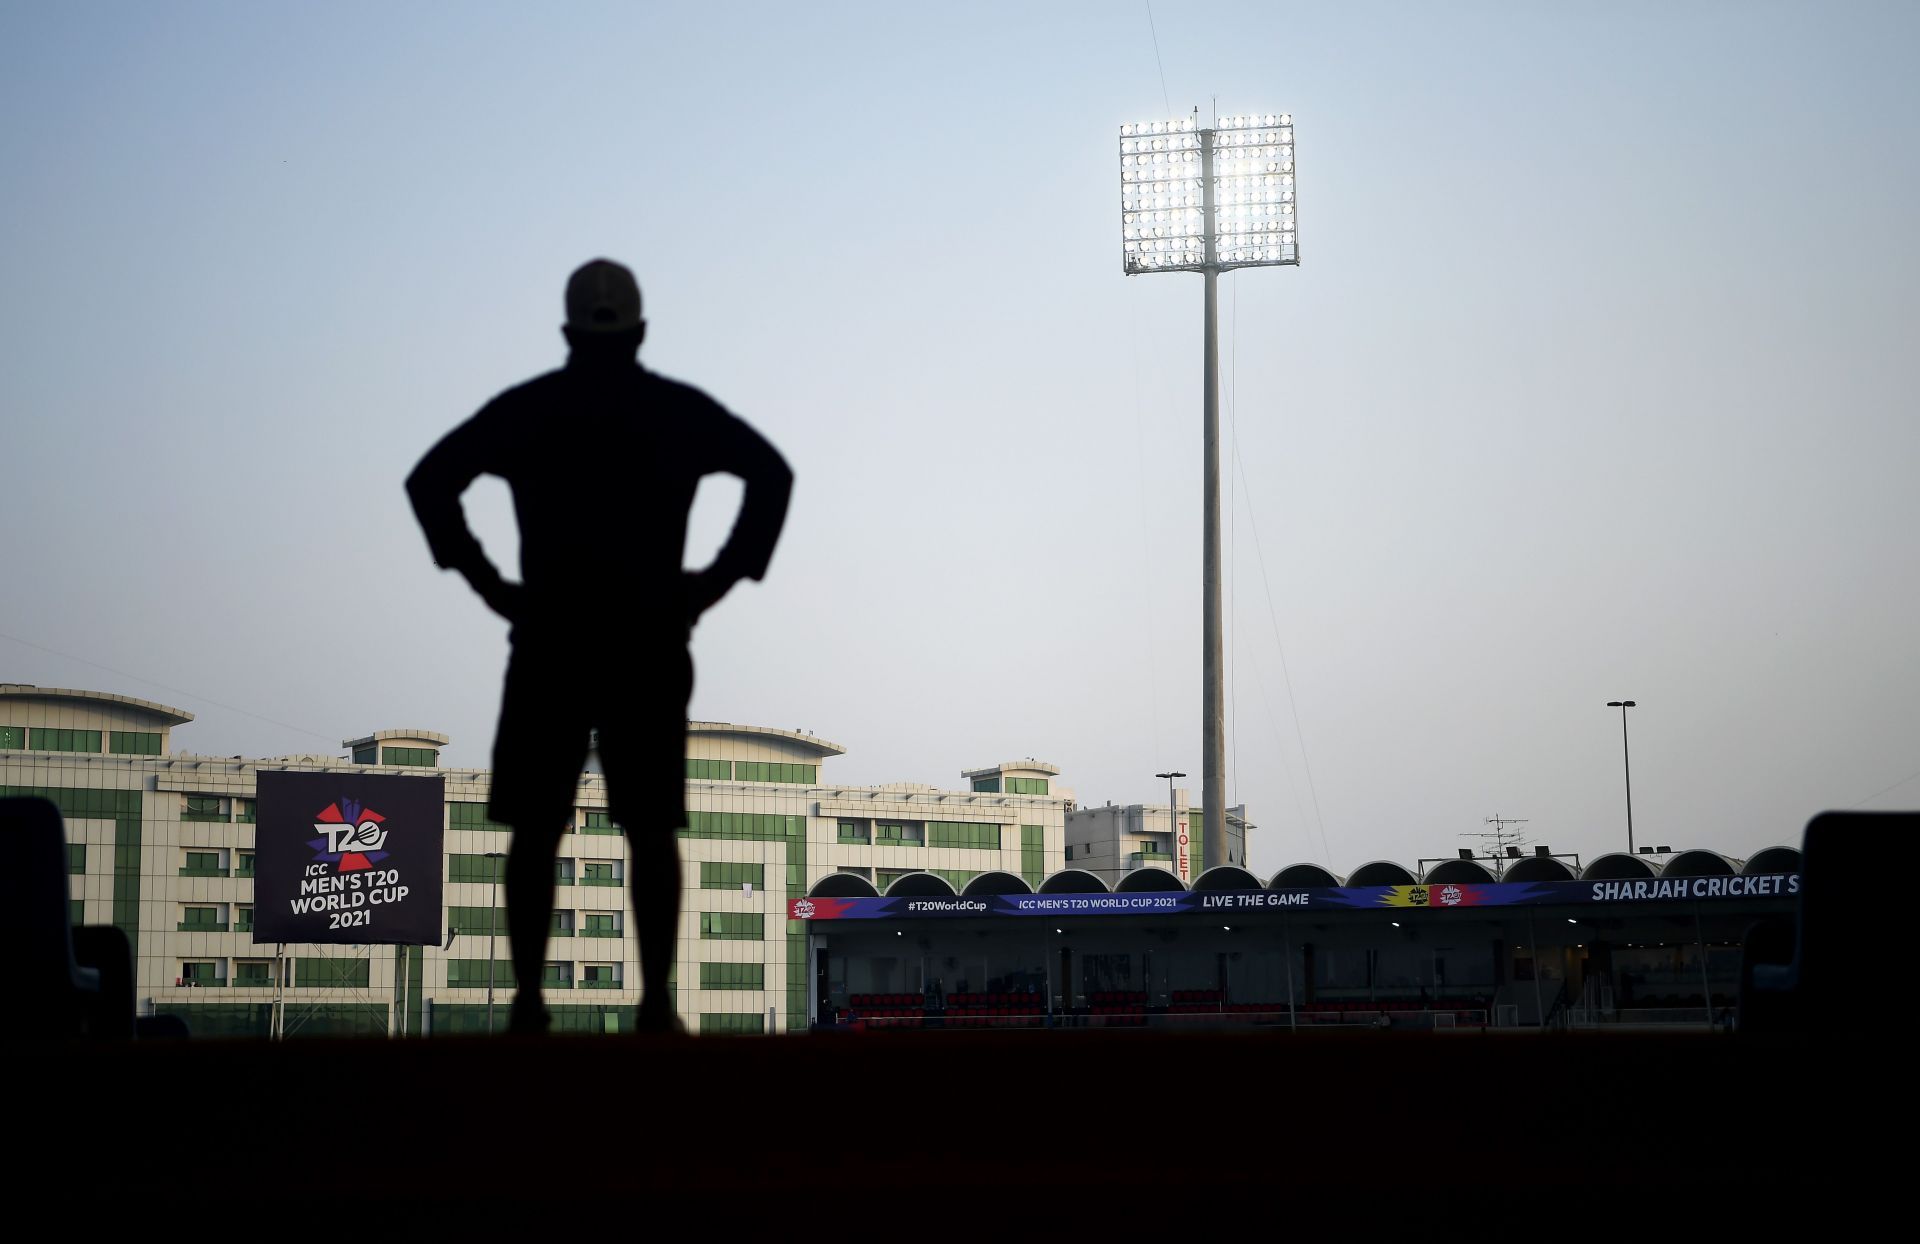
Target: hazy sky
[(1597, 381)]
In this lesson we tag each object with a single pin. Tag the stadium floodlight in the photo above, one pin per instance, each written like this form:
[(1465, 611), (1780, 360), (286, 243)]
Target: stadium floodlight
[(1194, 199), (1209, 199)]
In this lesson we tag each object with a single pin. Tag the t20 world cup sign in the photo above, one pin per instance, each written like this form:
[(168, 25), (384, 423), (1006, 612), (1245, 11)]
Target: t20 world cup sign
[(347, 858)]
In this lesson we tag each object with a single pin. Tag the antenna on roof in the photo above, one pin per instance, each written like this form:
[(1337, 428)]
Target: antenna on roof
[(1502, 843)]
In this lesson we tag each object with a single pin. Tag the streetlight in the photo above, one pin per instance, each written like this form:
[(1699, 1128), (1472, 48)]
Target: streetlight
[(1627, 757), (493, 928), (1209, 200), (1173, 821)]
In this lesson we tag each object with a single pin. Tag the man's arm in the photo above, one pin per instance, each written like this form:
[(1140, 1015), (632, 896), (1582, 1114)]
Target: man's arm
[(763, 512), (435, 488)]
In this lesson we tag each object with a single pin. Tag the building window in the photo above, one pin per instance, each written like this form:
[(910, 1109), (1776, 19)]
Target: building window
[(475, 868), (201, 920), (600, 976), (418, 757), (243, 864), (563, 872), (732, 976), (243, 811), (887, 876), (562, 927), (986, 785), (773, 771), (476, 920), (314, 973), (732, 926), (203, 864), (76, 858), (855, 831), (714, 1024), (599, 823), (255, 974), (963, 834), (601, 924), (471, 816), (13, 738), (710, 770), (1026, 786), (76, 912), (1069, 853), (1033, 854), (203, 808), (243, 919), (955, 877), (556, 975), (201, 974), (599, 872), (368, 755), (898, 833), (725, 875), (472, 974), (134, 742), (45, 740), (749, 826)]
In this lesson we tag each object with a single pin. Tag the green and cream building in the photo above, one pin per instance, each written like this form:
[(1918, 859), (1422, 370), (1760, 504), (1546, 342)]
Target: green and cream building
[(161, 845)]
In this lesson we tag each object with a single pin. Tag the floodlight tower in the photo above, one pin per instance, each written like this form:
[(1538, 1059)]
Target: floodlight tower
[(1209, 200)]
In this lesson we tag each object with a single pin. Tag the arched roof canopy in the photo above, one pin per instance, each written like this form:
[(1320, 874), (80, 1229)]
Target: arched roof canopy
[(843, 885), (996, 882), (1381, 872), (160, 714), (1226, 877), (1148, 881), (1699, 864), (920, 885), (1458, 872), (1773, 860), (1538, 868), (1073, 881), (1617, 866), (1302, 876)]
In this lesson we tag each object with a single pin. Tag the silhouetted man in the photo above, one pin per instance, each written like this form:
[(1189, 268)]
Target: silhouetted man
[(603, 457)]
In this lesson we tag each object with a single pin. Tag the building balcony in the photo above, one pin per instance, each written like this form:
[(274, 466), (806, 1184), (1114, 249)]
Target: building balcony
[(606, 881), (592, 984), (203, 928), (601, 933), (203, 872)]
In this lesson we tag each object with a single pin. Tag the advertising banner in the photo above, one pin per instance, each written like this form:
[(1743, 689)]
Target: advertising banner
[(1345, 898), (345, 857)]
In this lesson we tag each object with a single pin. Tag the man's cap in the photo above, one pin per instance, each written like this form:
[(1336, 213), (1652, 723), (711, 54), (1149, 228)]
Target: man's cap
[(602, 297)]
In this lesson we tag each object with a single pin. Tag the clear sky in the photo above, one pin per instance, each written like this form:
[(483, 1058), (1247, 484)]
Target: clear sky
[(1597, 381)]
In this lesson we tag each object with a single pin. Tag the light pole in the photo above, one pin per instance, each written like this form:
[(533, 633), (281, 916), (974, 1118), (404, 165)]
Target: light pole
[(493, 929), (1209, 200), (1173, 823), (1627, 757)]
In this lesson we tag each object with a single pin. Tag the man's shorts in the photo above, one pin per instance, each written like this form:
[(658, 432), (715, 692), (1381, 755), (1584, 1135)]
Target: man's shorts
[(554, 701)]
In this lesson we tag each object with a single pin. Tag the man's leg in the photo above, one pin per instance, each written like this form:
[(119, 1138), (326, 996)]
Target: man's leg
[(650, 805), (530, 920), (537, 754), (654, 860)]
